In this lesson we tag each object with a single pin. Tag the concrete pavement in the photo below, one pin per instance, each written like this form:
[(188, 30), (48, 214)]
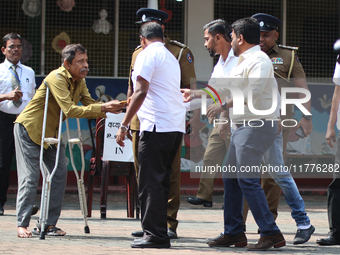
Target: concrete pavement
[(112, 236)]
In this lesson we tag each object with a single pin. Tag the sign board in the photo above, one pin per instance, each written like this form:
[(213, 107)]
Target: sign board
[(112, 151)]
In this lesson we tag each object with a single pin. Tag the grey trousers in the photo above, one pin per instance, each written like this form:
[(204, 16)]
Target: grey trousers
[(27, 155)]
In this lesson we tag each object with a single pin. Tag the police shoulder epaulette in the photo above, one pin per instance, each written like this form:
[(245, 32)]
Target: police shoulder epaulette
[(288, 47), (138, 47), (178, 43)]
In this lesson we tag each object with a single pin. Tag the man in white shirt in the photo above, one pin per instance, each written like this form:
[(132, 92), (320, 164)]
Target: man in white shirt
[(217, 42), (17, 87), (158, 103), (333, 206), (254, 71), (253, 136)]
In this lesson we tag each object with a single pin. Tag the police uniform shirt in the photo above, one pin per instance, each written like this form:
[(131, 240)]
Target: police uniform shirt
[(186, 61), (282, 58), (27, 81)]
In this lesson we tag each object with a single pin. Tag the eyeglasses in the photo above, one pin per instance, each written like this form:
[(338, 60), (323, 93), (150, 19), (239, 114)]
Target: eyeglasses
[(12, 47)]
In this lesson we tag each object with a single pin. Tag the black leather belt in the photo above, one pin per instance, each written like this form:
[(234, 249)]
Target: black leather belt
[(8, 115)]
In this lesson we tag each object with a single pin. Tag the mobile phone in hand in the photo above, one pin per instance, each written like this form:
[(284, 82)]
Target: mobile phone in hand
[(188, 131), (300, 132)]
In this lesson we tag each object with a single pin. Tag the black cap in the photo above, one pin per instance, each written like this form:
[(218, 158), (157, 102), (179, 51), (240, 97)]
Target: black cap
[(148, 14), (267, 22)]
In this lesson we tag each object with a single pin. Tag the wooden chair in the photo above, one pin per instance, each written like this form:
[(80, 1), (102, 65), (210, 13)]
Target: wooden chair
[(102, 169)]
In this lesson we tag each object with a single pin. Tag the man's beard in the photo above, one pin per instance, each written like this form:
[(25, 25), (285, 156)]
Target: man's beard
[(212, 53), (235, 53)]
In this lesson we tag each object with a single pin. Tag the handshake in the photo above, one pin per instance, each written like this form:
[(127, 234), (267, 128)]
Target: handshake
[(114, 106)]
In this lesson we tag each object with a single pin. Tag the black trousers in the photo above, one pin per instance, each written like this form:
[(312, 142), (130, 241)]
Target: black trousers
[(334, 208), (6, 152), (156, 152), (334, 196)]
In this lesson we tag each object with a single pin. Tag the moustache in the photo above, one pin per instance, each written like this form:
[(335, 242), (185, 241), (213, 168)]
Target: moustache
[(84, 69)]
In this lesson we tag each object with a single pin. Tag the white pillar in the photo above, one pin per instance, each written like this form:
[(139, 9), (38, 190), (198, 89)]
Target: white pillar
[(153, 4), (199, 13)]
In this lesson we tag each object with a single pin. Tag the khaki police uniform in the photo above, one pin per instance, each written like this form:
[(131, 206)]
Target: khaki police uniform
[(214, 155), (287, 67), (188, 76)]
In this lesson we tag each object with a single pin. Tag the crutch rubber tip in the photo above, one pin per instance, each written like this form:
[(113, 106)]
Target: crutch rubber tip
[(42, 235), (87, 230)]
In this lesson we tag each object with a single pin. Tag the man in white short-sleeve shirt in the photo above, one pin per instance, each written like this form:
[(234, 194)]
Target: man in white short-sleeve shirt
[(158, 103), (217, 41), (333, 205), (17, 87)]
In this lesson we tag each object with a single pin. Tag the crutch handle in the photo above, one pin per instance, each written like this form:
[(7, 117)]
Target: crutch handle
[(74, 140), (51, 140)]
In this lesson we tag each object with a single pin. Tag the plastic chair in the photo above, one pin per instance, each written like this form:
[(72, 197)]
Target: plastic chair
[(102, 169)]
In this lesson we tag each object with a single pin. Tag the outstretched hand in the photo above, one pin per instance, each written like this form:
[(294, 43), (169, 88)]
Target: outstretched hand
[(186, 95), (113, 106)]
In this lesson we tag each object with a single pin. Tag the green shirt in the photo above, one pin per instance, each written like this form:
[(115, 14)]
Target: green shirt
[(65, 94)]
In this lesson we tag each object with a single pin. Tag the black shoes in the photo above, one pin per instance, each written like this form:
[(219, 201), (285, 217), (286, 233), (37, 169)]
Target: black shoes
[(329, 240), (303, 235), (35, 209), (199, 201), (171, 233), (141, 243), (138, 233), (1, 209)]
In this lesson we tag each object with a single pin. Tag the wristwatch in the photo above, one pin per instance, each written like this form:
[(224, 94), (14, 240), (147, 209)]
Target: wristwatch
[(124, 128), (224, 106), (307, 117)]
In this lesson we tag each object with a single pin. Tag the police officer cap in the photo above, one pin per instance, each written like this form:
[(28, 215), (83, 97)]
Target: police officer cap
[(148, 14), (267, 22)]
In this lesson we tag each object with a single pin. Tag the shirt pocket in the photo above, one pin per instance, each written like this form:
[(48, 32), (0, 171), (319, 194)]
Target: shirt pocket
[(281, 70), (238, 77)]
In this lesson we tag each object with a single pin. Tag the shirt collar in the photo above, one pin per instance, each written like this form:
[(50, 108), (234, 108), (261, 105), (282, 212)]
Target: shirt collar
[(63, 69), (275, 48), (9, 64), (249, 52), (230, 56), (155, 44)]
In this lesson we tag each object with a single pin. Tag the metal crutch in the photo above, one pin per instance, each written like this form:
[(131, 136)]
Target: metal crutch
[(47, 176), (80, 181)]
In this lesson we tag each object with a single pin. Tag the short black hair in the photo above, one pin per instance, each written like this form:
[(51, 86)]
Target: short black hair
[(70, 51), (249, 28), (219, 26), (151, 30), (10, 36)]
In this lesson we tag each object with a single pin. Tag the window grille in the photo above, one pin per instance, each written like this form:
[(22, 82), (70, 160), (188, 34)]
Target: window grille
[(74, 24), (129, 30), (13, 19)]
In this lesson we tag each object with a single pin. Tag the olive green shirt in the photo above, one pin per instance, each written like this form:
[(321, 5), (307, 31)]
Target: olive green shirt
[(185, 59), (65, 94)]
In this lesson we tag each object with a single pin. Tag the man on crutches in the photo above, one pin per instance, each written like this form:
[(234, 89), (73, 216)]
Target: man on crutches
[(67, 87)]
